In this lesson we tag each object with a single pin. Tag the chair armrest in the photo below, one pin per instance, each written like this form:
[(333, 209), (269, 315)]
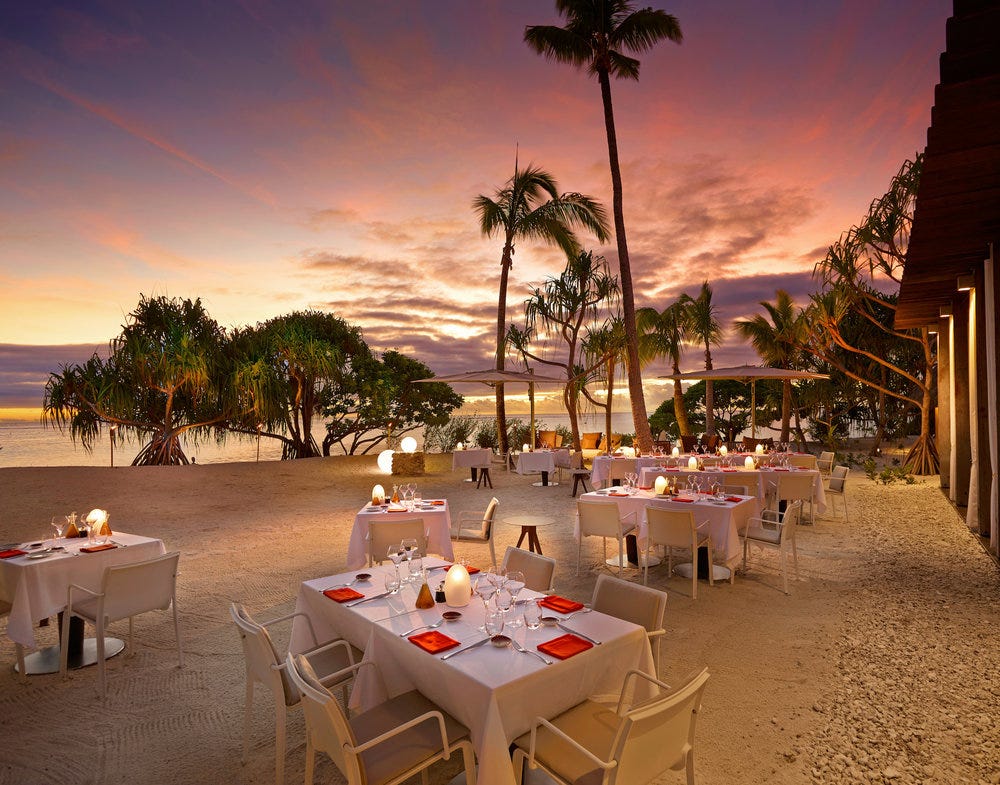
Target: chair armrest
[(639, 675), (287, 616), (430, 715), (69, 594), (606, 765), (332, 645)]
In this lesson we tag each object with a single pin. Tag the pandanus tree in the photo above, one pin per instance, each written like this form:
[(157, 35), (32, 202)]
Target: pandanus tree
[(598, 36), (701, 317), (529, 207), (605, 343), (566, 308), (662, 334), (166, 375), (778, 339)]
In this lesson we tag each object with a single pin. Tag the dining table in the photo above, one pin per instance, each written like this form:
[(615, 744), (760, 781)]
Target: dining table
[(537, 462), (437, 523), (36, 583), (497, 692), (472, 459), (725, 518)]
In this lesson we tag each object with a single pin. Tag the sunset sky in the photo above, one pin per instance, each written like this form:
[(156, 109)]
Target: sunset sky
[(269, 157)]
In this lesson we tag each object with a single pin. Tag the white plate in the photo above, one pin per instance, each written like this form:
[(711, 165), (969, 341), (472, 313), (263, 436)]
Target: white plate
[(39, 554)]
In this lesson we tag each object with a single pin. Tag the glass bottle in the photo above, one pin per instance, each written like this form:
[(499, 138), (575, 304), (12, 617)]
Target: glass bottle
[(425, 599), (395, 494)]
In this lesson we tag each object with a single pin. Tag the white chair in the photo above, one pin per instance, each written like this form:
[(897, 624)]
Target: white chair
[(825, 463), (633, 745), (126, 591), (578, 472), (776, 532), (737, 490), (631, 602), (677, 529), (502, 459), (803, 461), (385, 745), (477, 527), (18, 648), (838, 487), (601, 519), (619, 467), (538, 570), (794, 487), (392, 531), (265, 666)]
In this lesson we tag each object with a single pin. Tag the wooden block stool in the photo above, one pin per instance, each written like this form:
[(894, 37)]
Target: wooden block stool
[(484, 475), (580, 476)]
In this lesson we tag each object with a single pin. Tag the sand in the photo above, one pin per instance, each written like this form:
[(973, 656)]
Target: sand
[(880, 666)]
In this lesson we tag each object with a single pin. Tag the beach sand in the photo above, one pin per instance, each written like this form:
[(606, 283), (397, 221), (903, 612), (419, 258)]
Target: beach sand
[(883, 664)]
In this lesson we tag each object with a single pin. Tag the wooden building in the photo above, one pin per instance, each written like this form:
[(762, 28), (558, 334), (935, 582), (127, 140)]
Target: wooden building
[(950, 279)]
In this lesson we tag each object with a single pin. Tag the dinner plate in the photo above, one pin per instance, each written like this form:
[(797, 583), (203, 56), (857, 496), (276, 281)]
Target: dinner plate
[(40, 555), (720, 503)]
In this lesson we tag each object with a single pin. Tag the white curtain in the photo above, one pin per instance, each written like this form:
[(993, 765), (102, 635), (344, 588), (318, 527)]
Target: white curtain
[(989, 301), (972, 511)]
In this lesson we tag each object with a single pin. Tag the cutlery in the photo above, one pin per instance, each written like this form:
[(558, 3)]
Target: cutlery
[(341, 585), (475, 645), (518, 647), (582, 610), (366, 599), (564, 628), (433, 626)]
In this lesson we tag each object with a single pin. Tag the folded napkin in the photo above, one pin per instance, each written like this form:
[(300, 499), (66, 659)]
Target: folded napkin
[(95, 548), (343, 594), (730, 470), (433, 641), (733, 499), (10, 554), (397, 509), (614, 493), (437, 501), (779, 470), (672, 469), (560, 604), (685, 499), (645, 487), (468, 568), (565, 646)]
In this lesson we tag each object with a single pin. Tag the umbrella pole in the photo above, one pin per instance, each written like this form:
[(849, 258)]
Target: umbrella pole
[(531, 408), (753, 408)]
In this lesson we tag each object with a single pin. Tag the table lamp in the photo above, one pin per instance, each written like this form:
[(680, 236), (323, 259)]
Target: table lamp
[(457, 586)]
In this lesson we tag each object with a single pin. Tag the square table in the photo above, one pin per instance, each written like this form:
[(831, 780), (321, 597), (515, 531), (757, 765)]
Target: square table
[(472, 459), (496, 693), (543, 461), (36, 589), (436, 517)]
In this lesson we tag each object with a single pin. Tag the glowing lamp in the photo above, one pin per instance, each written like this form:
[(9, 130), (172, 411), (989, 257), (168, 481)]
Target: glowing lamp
[(459, 446), (385, 461), (723, 450), (525, 448), (378, 494), (749, 463), (409, 444), (660, 485), (675, 452), (759, 449), (457, 587), (692, 463)]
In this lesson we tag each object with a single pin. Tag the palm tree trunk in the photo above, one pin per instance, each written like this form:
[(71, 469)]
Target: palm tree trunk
[(710, 395), (611, 392), (640, 420), (786, 410), (505, 264), (680, 409)]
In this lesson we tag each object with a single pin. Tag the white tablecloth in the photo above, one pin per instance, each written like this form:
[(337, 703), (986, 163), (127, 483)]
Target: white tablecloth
[(724, 520), (467, 459), (36, 588), (535, 462), (760, 482), (496, 693), (437, 521), (601, 467)]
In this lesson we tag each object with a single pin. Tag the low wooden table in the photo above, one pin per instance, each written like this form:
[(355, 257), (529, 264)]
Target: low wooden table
[(529, 528)]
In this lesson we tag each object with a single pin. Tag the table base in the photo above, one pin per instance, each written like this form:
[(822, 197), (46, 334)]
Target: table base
[(613, 562), (47, 660), (719, 573)]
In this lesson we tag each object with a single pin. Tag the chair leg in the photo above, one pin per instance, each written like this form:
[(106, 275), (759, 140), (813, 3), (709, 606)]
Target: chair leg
[(130, 651), (63, 645), (310, 759), (19, 652), (247, 719), (279, 740), (711, 565), (784, 571), (102, 666), (177, 632), (469, 758), (694, 573), (520, 761), (795, 558)]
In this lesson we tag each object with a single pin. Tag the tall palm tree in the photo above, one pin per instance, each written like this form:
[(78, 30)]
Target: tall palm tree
[(597, 35), (519, 211), (778, 343), (705, 328), (662, 334), (607, 343)]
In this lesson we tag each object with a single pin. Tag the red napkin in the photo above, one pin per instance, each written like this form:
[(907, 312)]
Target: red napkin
[(685, 500), (617, 494), (95, 548), (645, 487), (468, 568), (733, 499), (10, 554), (730, 470), (343, 594), (779, 470), (392, 510), (560, 604), (673, 469), (433, 641), (438, 501), (565, 646)]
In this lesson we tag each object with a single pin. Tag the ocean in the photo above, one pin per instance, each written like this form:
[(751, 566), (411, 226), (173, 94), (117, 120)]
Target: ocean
[(29, 443)]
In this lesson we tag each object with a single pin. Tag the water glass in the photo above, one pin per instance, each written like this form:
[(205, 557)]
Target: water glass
[(532, 614), (392, 582), (494, 622)]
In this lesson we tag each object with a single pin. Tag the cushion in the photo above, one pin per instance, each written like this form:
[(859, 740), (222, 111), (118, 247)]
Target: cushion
[(589, 441), (592, 725)]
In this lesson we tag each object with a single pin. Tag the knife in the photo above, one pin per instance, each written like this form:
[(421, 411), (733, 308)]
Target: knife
[(564, 628), (467, 648), (366, 599)]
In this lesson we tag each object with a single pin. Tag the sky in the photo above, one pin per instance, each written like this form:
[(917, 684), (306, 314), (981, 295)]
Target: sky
[(270, 157)]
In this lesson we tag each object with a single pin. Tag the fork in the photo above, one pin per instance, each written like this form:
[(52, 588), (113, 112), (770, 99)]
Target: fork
[(574, 613), (518, 647), (433, 626)]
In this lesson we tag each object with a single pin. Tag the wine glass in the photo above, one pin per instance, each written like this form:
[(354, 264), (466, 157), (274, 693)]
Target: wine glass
[(485, 590), (515, 582), (409, 548), (407, 488), (59, 524), (494, 622), (395, 554)]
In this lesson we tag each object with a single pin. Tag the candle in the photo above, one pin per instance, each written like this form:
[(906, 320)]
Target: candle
[(457, 587), (378, 495), (675, 452), (525, 448), (692, 463), (459, 446), (723, 450), (660, 485), (760, 449), (749, 464)]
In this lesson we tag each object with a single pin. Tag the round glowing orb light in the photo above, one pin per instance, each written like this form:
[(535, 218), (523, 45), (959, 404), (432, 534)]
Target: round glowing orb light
[(385, 461), (409, 444)]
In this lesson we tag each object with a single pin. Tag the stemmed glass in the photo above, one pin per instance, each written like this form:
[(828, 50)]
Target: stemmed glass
[(395, 553), (485, 590), (515, 582), (409, 548), (58, 524), (407, 490)]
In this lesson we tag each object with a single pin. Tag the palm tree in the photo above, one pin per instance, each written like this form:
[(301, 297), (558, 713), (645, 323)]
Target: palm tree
[(517, 212), (704, 326), (662, 334), (778, 343), (597, 35), (608, 343)]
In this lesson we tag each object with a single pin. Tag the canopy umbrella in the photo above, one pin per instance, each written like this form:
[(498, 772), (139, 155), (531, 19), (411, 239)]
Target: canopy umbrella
[(492, 377), (747, 373)]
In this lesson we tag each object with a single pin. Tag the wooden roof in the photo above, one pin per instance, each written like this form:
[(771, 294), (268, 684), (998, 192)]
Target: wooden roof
[(957, 211)]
